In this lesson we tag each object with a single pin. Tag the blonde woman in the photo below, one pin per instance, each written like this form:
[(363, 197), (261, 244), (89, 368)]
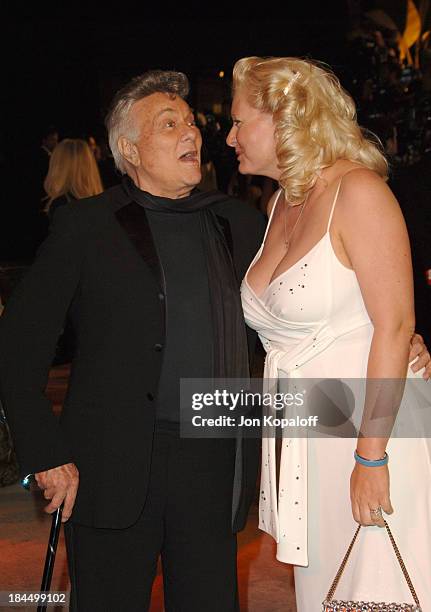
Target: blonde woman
[(72, 174), (330, 294)]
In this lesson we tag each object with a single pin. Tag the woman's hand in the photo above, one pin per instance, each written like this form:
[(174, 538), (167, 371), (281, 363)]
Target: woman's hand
[(369, 490)]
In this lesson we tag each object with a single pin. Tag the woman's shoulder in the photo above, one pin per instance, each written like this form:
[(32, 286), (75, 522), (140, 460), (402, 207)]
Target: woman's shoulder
[(362, 186), (364, 196), (356, 175)]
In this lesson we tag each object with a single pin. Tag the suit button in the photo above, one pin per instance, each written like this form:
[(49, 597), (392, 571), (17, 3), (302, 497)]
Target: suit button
[(150, 396), (158, 347), (161, 296)]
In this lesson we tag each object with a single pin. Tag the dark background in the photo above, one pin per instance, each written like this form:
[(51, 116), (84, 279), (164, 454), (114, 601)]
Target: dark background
[(64, 68)]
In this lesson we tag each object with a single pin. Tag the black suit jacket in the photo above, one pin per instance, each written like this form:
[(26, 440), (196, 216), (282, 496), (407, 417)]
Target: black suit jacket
[(100, 264)]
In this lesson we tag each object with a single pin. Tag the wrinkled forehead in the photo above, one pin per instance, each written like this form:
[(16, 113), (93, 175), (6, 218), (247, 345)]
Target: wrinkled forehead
[(150, 107)]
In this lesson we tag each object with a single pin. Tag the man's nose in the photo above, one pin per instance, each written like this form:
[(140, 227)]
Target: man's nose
[(190, 132)]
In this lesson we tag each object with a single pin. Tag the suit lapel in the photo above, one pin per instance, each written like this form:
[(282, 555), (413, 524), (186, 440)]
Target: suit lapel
[(134, 221)]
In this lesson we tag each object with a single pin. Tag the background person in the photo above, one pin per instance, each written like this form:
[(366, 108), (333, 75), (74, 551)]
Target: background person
[(73, 174)]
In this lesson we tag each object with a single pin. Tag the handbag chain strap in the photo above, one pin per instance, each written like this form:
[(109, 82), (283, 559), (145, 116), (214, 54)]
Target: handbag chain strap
[(334, 585)]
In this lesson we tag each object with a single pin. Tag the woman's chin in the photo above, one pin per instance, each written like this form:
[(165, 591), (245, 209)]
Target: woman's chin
[(244, 168)]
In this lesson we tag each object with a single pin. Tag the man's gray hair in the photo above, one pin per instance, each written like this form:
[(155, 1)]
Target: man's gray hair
[(118, 121)]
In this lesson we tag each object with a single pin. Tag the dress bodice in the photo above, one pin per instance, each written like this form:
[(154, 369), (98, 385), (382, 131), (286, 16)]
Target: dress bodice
[(307, 306)]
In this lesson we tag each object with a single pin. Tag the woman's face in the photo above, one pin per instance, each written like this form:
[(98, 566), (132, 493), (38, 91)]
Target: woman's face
[(252, 136)]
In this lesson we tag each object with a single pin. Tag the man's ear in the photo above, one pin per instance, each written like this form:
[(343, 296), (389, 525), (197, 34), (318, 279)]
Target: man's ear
[(129, 151)]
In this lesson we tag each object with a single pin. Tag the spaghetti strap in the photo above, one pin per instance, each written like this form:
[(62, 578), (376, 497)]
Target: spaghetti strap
[(333, 205), (271, 215)]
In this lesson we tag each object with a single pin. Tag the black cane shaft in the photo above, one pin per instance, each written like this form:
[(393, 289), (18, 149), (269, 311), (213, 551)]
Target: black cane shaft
[(50, 555)]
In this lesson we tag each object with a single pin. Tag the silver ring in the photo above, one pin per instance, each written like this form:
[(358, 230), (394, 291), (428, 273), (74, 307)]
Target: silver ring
[(376, 513)]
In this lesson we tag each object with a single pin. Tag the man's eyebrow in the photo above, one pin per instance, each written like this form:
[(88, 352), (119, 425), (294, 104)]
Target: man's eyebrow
[(165, 110)]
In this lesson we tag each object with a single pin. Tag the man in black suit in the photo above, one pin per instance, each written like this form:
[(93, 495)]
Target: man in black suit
[(149, 273)]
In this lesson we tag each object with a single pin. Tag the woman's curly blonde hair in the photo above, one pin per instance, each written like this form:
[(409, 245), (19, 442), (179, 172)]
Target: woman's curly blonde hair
[(314, 117)]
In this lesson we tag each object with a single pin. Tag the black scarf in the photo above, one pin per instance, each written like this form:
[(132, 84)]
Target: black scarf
[(230, 359)]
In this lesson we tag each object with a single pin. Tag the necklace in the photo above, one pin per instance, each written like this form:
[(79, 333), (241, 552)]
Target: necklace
[(288, 238)]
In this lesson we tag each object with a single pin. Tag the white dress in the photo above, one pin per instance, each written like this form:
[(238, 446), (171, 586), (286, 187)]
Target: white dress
[(313, 323)]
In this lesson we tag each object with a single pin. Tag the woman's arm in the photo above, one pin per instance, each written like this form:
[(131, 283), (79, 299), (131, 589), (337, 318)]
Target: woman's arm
[(375, 239)]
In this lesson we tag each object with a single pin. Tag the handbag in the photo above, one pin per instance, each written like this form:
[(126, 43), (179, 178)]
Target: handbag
[(332, 605)]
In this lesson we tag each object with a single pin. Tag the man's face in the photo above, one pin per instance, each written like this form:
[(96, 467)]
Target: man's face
[(169, 146)]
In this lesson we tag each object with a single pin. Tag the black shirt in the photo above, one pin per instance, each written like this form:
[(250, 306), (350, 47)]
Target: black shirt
[(189, 346)]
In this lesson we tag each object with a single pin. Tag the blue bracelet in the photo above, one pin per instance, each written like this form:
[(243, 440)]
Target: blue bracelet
[(370, 463)]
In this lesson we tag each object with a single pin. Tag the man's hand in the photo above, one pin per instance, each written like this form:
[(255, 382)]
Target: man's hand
[(419, 350), (60, 484)]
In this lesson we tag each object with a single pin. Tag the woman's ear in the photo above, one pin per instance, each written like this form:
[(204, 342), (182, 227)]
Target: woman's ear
[(129, 151)]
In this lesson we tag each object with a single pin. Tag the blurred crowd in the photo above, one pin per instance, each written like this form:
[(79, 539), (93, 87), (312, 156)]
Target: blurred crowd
[(393, 95)]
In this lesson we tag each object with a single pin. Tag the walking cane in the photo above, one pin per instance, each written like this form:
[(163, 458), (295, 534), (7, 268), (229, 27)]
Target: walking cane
[(52, 547), (50, 554)]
